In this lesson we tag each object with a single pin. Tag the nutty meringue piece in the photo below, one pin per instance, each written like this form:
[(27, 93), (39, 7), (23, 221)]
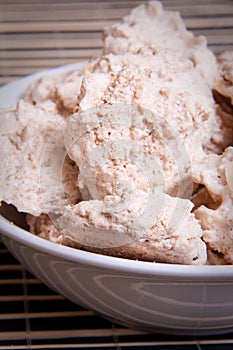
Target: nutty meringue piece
[(224, 80), (217, 224), (150, 26), (36, 173)]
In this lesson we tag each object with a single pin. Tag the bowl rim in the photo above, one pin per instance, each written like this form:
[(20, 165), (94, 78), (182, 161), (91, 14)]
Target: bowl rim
[(118, 265)]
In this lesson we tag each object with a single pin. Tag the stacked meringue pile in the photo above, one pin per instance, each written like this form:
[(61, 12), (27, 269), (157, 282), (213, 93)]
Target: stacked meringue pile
[(130, 156)]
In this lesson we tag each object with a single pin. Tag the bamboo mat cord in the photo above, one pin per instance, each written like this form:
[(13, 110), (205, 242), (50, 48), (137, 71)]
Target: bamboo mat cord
[(39, 34)]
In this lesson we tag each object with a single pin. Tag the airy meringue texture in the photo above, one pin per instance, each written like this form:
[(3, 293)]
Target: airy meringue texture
[(217, 175), (36, 173), (149, 26), (224, 80), (131, 156)]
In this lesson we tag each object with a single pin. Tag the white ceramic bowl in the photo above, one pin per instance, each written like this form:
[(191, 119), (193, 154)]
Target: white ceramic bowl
[(176, 299)]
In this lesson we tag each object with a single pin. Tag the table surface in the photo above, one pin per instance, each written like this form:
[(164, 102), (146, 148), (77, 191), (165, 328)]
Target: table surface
[(35, 35)]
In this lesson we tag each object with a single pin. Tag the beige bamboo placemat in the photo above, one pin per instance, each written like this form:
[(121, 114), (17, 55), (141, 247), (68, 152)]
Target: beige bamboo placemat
[(39, 34)]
